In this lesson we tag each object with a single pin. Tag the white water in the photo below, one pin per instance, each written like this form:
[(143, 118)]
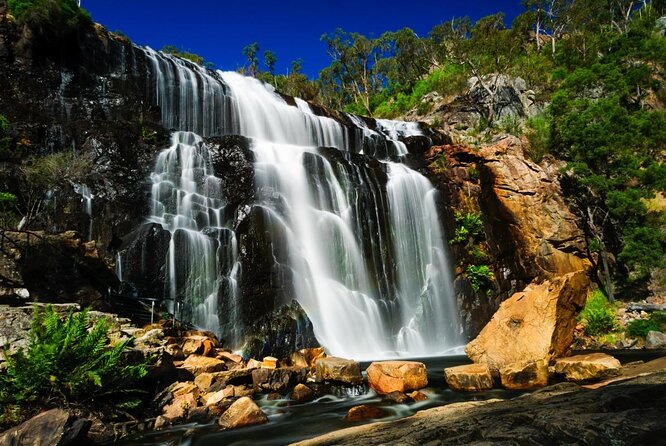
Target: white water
[(86, 199), (367, 258), (188, 201)]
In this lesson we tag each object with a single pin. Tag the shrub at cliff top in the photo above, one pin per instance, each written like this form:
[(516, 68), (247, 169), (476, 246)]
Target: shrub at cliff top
[(66, 363), (55, 18)]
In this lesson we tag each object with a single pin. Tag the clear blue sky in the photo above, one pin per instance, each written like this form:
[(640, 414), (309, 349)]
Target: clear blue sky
[(218, 29)]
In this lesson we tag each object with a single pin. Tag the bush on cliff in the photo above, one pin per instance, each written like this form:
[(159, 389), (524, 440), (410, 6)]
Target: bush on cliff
[(67, 362), (55, 18)]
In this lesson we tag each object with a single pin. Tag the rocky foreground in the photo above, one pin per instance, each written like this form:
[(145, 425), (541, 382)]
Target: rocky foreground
[(628, 411)]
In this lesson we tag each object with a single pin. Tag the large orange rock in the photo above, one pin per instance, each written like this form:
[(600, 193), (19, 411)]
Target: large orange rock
[(243, 412), (536, 324), (469, 378), (396, 376)]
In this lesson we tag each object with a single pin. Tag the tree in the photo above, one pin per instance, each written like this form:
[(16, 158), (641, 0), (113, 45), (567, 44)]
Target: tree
[(270, 60), (250, 52), (354, 69)]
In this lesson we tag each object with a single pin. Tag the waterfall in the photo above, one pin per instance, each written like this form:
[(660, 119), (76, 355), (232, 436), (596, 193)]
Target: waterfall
[(359, 230), (86, 199), (188, 201)]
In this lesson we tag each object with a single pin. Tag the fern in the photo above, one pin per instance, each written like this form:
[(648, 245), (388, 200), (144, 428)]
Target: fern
[(67, 360)]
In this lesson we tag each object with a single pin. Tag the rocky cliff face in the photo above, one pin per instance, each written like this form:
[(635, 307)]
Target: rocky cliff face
[(530, 233)]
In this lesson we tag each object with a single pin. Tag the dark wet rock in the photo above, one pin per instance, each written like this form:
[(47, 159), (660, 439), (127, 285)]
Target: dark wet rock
[(278, 380), (339, 370), (302, 393), (52, 428), (629, 413), (365, 412)]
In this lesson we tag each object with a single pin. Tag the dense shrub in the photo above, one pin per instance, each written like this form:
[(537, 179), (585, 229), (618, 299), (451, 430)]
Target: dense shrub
[(469, 227), (479, 276), (68, 362), (639, 328), (50, 18), (598, 315)]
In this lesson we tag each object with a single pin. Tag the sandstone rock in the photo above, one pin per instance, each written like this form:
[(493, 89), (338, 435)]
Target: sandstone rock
[(302, 393), (470, 377), (208, 348), (198, 415), (176, 351), (161, 423), (201, 364), (338, 369), (418, 396), (364, 412), (204, 381), (178, 409), (396, 376), (655, 340), (594, 366), (52, 428), (243, 412), (213, 399), (535, 324), (193, 345), (269, 362), (228, 356), (185, 388), (151, 337), (253, 363), (525, 375), (307, 357)]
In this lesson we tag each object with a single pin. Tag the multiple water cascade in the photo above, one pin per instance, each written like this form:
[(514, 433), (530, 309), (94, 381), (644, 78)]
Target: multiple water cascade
[(188, 201), (359, 231)]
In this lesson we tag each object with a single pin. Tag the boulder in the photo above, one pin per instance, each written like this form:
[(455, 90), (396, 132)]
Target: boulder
[(278, 380), (198, 364), (364, 412), (243, 412), (535, 324), (179, 407), (396, 398), (396, 376), (302, 393), (307, 357), (193, 345), (55, 427), (470, 377), (213, 399), (655, 340), (594, 366), (340, 370), (525, 375)]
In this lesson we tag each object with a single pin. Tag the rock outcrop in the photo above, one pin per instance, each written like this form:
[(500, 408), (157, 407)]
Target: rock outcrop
[(55, 427), (535, 324), (530, 234)]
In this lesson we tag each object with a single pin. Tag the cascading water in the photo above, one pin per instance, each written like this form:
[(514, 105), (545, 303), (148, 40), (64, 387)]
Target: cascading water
[(86, 199), (187, 201), (365, 250)]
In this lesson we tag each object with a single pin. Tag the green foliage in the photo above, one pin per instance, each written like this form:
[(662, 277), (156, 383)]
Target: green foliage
[(7, 201), (479, 276), (469, 227), (538, 135), (510, 124), (67, 361), (639, 328), (195, 58), (48, 171), (598, 316), (50, 18), (251, 52), (148, 136)]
